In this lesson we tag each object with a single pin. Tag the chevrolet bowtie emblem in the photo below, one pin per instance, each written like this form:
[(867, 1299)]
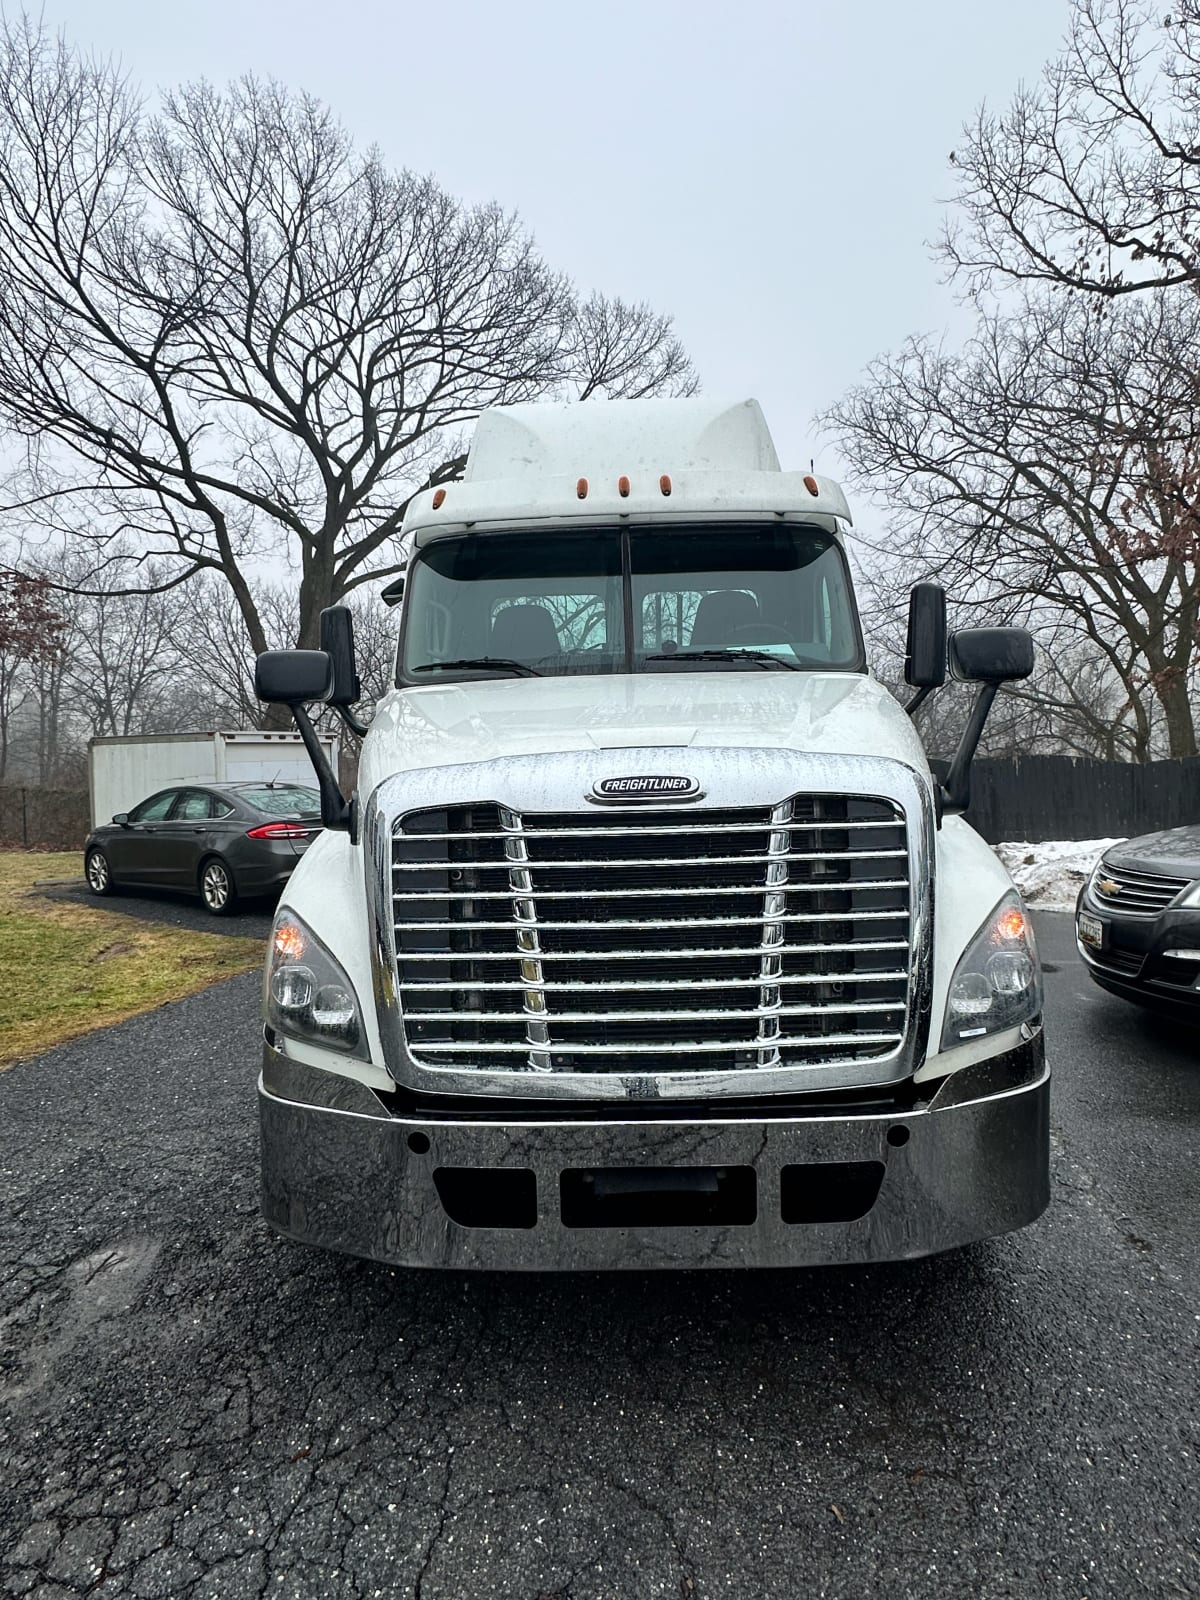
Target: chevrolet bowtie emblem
[(1108, 886)]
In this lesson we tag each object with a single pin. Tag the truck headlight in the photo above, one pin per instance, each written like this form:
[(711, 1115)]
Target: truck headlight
[(998, 982), (306, 993)]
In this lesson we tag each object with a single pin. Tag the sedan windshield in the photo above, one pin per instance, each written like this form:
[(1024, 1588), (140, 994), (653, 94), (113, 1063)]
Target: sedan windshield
[(754, 597)]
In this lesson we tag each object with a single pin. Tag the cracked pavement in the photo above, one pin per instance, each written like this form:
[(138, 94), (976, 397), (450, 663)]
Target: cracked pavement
[(190, 1406)]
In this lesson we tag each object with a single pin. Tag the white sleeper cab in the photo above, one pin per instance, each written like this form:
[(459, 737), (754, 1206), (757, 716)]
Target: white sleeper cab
[(650, 938)]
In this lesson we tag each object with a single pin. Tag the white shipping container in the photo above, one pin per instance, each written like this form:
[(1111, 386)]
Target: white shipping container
[(124, 770)]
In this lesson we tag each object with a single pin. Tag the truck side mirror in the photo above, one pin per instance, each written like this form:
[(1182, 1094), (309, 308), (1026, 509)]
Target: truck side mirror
[(337, 641), (293, 677), (988, 657), (925, 647), (991, 655), (296, 678), (394, 593)]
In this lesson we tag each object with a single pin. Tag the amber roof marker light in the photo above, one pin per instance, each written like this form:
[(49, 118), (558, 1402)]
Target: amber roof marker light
[(581, 488), (623, 487), (664, 483), (438, 496), (811, 484)]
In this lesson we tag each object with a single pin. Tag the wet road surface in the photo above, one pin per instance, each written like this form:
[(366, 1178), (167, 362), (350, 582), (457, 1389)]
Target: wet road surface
[(190, 1406)]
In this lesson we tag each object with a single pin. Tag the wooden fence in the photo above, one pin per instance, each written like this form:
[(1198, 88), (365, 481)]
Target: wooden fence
[(1068, 797)]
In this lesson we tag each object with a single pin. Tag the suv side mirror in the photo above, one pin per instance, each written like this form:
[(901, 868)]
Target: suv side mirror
[(925, 647), (337, 641), (121, 818), (991, 655), (293, 677)]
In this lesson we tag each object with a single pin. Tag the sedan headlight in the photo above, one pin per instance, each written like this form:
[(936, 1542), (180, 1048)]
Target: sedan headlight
[(306, 993), (1189, 899), (998, 982)]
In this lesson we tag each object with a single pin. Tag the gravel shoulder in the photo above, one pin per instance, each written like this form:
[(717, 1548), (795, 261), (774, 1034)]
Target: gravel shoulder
[(193, 1407)]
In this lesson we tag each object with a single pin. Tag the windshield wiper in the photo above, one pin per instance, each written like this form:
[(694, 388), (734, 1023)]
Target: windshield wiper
[(760, 658), (503, 662)]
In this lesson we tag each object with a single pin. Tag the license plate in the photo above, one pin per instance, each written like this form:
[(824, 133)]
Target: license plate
[(1091, 931)]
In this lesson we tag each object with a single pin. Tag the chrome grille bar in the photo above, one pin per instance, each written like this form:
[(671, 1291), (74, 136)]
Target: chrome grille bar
[(452, 985), (775, 855), (674, 922), (673, 829), (830, 886), (699, 953), (845, 1008), (678, 1046), (771, 961), (537, 1032)]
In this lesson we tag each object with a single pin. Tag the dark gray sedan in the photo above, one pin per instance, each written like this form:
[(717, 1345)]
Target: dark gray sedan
[(220, 841)]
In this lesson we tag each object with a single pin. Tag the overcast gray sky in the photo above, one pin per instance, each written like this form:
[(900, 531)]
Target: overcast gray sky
[(767, 172)]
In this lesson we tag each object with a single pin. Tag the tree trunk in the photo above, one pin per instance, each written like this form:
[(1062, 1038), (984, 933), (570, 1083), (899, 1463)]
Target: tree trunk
[(1172, 691)]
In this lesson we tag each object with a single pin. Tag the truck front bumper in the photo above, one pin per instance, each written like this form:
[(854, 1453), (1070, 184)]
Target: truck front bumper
[(343, 1171)]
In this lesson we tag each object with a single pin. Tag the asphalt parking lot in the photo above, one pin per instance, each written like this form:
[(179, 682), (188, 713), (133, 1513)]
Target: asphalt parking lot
[(190, 1406)]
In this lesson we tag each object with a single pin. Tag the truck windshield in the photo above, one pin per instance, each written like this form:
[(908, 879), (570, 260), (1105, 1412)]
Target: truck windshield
[(750, 597)]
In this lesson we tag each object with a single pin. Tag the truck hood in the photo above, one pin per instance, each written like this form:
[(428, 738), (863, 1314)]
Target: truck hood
[(819, 712)]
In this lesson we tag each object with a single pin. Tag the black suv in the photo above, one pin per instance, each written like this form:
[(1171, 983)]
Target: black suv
[(1137, 921)]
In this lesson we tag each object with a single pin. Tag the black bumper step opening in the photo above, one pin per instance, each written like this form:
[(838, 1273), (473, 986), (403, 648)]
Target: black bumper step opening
[(834, 1191), (659, 1197), (488, 1197)]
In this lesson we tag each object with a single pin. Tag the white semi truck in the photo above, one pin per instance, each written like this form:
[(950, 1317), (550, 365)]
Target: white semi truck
[(650, 938)]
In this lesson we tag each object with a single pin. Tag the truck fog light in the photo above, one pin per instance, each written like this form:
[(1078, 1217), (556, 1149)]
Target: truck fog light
[(292, 988), (998, 982), (333, 1007)]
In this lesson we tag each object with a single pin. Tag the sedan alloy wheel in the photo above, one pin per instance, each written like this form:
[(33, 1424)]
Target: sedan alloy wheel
[(216, 887), (96, 869)]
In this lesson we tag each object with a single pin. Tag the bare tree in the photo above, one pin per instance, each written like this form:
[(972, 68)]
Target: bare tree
[(30, 632), (229, 338), (1048, 471), (1091, 178)]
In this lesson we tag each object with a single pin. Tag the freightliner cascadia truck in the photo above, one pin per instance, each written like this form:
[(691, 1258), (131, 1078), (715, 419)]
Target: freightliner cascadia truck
[(651, 937)]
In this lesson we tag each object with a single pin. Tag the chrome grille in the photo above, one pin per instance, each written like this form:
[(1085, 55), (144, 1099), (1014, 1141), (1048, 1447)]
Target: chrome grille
[(643, 941), (1135, 892)]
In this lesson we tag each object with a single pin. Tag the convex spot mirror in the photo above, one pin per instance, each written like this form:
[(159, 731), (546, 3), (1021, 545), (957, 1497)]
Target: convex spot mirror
[(337, 641), (991, 655), (293, 677), (925, 647)]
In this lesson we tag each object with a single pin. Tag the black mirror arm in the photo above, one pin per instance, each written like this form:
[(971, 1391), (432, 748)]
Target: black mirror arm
[(918, 700), (351, 721), (336, 810), (956, 790)]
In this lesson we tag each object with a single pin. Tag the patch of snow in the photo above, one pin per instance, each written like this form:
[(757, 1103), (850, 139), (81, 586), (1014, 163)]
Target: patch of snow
[(1050, 875)]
